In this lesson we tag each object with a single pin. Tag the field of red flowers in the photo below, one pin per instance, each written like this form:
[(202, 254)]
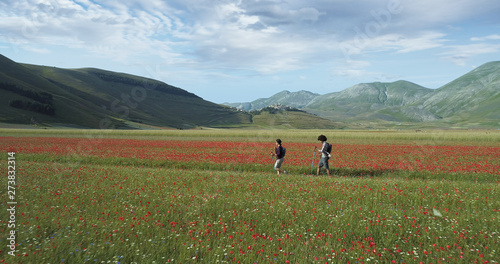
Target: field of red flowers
[(110, 200), (202, 154)]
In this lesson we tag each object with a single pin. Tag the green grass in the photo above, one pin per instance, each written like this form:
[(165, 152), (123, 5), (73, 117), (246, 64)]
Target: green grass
[(126, 214), (86, 209), (422, 137)]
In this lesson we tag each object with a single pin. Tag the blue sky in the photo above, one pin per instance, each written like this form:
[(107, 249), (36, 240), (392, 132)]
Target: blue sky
[(238, 51)]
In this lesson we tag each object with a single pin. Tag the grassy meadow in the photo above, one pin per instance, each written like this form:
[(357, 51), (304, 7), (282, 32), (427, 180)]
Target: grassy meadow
[(211, 196)]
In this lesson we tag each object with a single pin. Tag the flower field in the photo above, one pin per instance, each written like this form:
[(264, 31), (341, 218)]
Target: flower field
[(255, 155), (129, 200)]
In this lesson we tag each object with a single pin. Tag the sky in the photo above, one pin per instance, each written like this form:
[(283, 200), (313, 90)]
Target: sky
[(239, 51)]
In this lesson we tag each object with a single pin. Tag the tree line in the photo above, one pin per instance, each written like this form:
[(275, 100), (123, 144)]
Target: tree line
[(43, 102)]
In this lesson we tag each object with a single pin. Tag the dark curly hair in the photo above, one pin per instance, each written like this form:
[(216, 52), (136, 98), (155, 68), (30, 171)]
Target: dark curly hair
[(278, 141), (322, 138)]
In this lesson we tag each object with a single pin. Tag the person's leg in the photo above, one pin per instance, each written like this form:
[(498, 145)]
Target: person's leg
[(278, 166), (327, 167), (320, 165)]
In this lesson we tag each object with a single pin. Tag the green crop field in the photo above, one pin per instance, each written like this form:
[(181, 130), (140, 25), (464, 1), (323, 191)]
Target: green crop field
[(211, 196)]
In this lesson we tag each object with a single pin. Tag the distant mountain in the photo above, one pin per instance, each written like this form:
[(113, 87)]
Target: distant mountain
[(280, 116), (368, 101), (474, 97), (94, 98), (296, 99), (470, 101)]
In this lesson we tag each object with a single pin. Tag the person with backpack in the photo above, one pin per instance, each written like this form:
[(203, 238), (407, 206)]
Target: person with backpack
[(280, 153), (326, 149)]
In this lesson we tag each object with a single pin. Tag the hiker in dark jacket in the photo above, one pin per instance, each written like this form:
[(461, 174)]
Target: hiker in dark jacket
[(279, 151), (325, 150)]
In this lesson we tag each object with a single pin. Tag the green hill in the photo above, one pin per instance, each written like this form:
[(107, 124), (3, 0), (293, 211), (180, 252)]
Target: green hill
[(279, 116), (472, 99), (368, 101), (294, 99), (94, 98)]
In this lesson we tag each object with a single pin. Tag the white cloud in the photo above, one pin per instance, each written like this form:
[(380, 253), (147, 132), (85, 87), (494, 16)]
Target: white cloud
[(235, 39), (460, 54), (308, 14), (429, 13), (362, 43), (355, 70), (119, 34), (352, 69), (427, 40), (358, 75), (260, 36), (486, 38), (37, 50), (351, 73)]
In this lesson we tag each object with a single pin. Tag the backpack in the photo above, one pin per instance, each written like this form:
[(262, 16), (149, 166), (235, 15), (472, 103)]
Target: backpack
[(328, 147), (283, 153)]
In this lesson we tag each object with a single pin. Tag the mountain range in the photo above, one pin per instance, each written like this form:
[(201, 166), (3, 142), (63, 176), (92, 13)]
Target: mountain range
[(43, 96), (96, 98), (471, 101)]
